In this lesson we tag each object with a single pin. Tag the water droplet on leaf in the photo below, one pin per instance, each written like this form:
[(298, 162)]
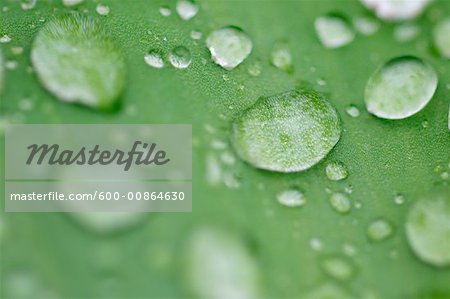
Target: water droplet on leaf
[(180, 57), (102, 9), (281, 57), (69, 3), (338, 268), (396, 9), (336, 171), (353, 111), (165, 11), (187, 9), (379, 230), (340, 202), (366, 25), (406, 32), (334, 31), (5, 39), (291, 198), (154, 59)]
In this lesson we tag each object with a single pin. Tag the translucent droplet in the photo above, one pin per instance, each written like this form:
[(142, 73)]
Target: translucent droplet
[(102, 9), (5, 39), (229, 46), (425, 124), (187, 9), (213, 173), (76, 61), (281, 57), (366, 25), (255, 69), (231, 180), (336, 171), (315, 244), (27, 5), (349, 249), (165, 11), (11, 65), (291, 198), (287, 132), (338, 268), (69, 3), (399, 199), (353, 111), (379, 230), (227, 158), (445, 175), (180, 57), (334, 31), (396, 9), (340, 202), (400, 88), (441, 33), (428, 230), (406, 32), (219, 266), (154, 59), (196, 35)]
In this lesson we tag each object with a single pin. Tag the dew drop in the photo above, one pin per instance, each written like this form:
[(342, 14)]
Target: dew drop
[(5, 39), (219, 266), (349, 249), (255, 69), (400, 88), (379, 230), (428, 230), (187, 9), (196, 35), (399, 199), (336, 171), (425, 124), (291, 198), (441, 33), (445, 175), (334, 31), (315, 244), (366, 25), (165, 11), (180, 57), (286, 132), (213, 170), (340, 202), (17, 50), (69, 3), (102, 9), (76, 61), (11, 65), (406, 32), (281, 58), (396, 9), (229, 46), (353, 111), (338, 268), (154, 59), (27, 5)]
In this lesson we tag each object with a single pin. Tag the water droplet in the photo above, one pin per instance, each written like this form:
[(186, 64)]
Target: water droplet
[(71, 2), (425, 124), (441, 32), (213, 170), (5, 39), (27, 5), (338, 268), (180, 57), (336, 171), (445, 175), (281, 57), (340, 202), (349, 249), (227, 158), (196, 35), (287, 132), (154, 59), (379, 230), (353, 111), (321, 82), (400, 88), (218, 144), (428, 230), (102, 9), (291, 198), (26, 105), (187, 9), (165, 11), (399, 199), (315, 244), (396, 9), (231, 180), (75, 60), (11, 65), (348, 189), (229, 46), (17, 50), (366, 25), (219, 266), (334, 31), (255, 69), (406, 32)]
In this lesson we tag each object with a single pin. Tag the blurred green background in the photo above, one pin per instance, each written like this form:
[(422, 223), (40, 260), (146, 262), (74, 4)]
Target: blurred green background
[(56, 255)]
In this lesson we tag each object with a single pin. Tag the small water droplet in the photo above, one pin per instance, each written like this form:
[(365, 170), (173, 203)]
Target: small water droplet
[(400, 88), (254, 69), (227, 158), (154, 59), (180, 57), (187, 9), (17, 50), (27, 5), (349, 249), (441, 32), (334, 31), (281, 57), (399, 199), (287, 132), (5, 39), (366, 25), (291, 198), (218, 144), (348, 189), (379, 230), (406, 32), (428, 230), (353, 111), (213, 173), (196, 35), (340, 202), (338, 268), (102, 9), (321, 82), (26, 105), (82, 66), (395, 9), (231, 180), (69, 3), (225, 77), (445, 175), (11, 65), (336, 171), (425, 124), (165, 11), (229, 46), (315, 244)]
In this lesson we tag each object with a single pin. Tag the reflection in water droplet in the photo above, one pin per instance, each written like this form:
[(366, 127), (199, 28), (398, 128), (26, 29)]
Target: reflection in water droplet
[(187, 9), (154, 59), (291, 198), (379, 230), (334, 31), (400, 88), (180, 57)]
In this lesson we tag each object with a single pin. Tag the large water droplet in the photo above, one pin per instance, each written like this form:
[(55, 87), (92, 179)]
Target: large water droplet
[(281, 57), (75, 60), (338, 268), (441, 38), (428, 230), (154, 59), (400, 88), (219, 266), (187, 9), (291, 198), (229, 46), (396, 9), (287, 132), (336, 171), (379, 230), (180, 57), (340, 202), (334, 31)]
